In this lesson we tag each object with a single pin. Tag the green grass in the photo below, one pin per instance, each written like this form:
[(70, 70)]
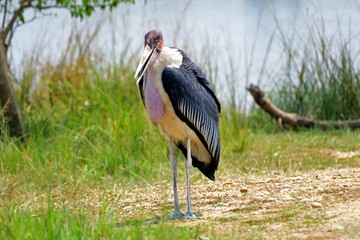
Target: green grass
[(63, 224), (88, 137), (291, 151), (73, 147), (321, 77)]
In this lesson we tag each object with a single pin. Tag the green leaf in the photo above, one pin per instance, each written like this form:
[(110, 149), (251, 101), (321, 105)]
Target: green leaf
[(21, 18), (88, 10), (78, 8)]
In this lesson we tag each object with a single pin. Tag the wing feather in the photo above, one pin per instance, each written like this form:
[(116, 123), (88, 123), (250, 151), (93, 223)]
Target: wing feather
[(196, 104)]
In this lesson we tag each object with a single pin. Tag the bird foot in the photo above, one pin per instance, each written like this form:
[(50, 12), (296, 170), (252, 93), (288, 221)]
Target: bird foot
[(177, 215), (181, 215), (190, 215)]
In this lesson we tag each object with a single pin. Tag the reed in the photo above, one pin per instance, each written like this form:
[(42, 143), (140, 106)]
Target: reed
[(321, 79)]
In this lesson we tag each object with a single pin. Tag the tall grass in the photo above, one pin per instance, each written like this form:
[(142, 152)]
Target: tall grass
[(84, 119), (321, 79), (81, 113), (87, 129), (84, 116)]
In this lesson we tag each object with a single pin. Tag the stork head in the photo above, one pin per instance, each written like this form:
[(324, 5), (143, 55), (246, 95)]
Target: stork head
[(153, 45)]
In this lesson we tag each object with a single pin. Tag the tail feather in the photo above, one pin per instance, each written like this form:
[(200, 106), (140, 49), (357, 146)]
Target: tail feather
[(207, 169)]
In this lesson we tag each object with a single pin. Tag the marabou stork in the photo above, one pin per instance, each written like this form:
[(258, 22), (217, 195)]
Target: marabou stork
[(179, 99)]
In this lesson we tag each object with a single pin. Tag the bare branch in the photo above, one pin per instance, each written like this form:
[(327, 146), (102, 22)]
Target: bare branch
[(5, 12), (22, 24), (5, 31), (92, 5), (292, 119), (8, 27)]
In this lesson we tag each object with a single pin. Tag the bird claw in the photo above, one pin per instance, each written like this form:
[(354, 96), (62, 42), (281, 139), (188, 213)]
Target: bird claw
[(181, 215), (190, 215), (177, 215)]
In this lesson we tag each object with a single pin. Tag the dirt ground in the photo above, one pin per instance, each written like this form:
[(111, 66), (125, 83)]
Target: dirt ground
[(318, 205), (322, 204)]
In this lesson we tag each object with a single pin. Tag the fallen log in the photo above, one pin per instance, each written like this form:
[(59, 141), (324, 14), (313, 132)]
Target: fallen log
[(293, 119)]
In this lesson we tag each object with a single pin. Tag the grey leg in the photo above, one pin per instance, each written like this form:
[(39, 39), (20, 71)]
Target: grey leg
[(188, 165), (173, 163)]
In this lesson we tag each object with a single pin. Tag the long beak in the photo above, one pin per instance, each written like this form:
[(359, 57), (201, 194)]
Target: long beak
[(144, 62)]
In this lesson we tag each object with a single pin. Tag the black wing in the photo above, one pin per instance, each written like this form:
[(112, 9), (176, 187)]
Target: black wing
[(195, 103), (200, 76)]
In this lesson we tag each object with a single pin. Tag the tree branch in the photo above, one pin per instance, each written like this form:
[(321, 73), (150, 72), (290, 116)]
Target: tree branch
[(22, 24), (292, 119), (28, 4), (15, 16), (5, 12)]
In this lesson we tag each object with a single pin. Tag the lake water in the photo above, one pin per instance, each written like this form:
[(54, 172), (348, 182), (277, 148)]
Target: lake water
[(232, 35)]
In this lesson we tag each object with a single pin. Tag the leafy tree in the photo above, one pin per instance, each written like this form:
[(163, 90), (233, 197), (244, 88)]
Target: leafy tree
[(12, 16)]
